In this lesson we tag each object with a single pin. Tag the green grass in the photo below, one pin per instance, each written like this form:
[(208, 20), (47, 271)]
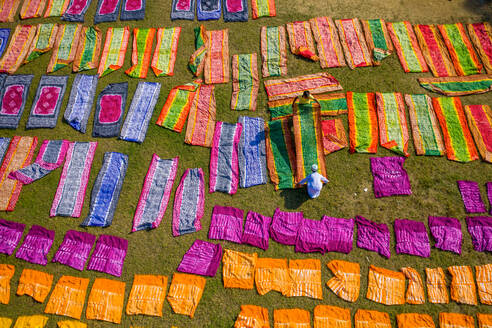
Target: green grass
[(157, 252)]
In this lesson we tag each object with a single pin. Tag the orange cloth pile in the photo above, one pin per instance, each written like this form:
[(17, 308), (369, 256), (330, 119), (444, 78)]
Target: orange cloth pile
[(238, 269), (385, 286), (346, 283), (36, 284), (185, 293), (147, 295), (271, 274)]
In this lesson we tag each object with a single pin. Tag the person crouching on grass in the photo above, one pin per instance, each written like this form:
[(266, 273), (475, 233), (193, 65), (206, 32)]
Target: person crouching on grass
[(314, 182)]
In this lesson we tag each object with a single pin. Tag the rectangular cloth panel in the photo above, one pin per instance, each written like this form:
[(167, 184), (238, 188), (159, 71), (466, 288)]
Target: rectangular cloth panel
[(155, 193), (68, 297), (434, 50), (369, 318), (427, 139), (385, 286), (458, 86), (216, 69), (340, 234), (280, 153), (107, 11), (80, 102), (411, 238), (415, 291), (105, 301), (437, 292), (390, 178), (113, 55), (483, 275), (65, 47), (457, 137), (133, 10), (334, 137), (362, 121), (393, 129), (446, 232), (10, 235), (480, 229), (31, 321), (328, 44), (470, 194), (481, 36), (70, 194), (183, 9), (305, 279), (460, 48), (19, 155), (326, 316), (47, 102), (252, 316), (185, 293), (273, 50), (18, 49), (43, 41), (252, 152), (201, 119), (13, 97), (36, 284), (166, 50), (74, 250), (291, 318), (32, 9), (410, 320), (88, 50), (285, 226), (197, 59), (8, 10), (208, 9), (245, 82), (407, 47), (271, 274), (373, 236), (353, 43), (76, 10), (226, 224), (6, 274), (4, 38), (189, 203), (484, 320), (147, 295), (312, 236), (110, 110), (489, 194), (235, 10), (378, 40), (109, 255), (462, 286), (256, 231), (263, 8), (300, 36), (143, 38), (238, 269), (202, 258), (455, 320), (480, 122), (36, 245), (56, 8)]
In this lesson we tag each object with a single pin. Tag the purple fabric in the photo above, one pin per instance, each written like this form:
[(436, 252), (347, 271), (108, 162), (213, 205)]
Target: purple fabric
[(390, 178), (411, 238), (340, 234), (480, 229), (312, 236), (470, 193), (75, 248), (373, 236), (10, 235), (447, 233), (109, 255), (489, 195), (36, 245), (285, 226), (256, 230), (226, 224), (203, 258)]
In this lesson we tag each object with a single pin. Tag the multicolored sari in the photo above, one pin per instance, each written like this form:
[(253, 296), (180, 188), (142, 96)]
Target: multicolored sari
[(65, 48), (166, 51), (14, 92), (88, 50), (480, 122), (43, 41), (481, 36), (378, 39), (216, 69), (329, 49), (32, 9), (113, 55), (245, 82), (263, 8), (407, 47), (273, 51), (18, 49), (434, 50), (363, 124), (458, 85), (201, 120), (393, 130), (56, 8), (143, 39), (353, 43)]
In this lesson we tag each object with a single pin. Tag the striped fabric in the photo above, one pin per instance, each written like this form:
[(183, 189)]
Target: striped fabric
[(378, 40), (458, 86), (6, 274), (353, 43), (434, 50), (437, 291), (109, 255), (216, 69), (14, 92), (197, 59), (334, 137), (329, 48), (113, 55), (295, 318), (165, 52), (407, 47), (143, 38), (300, 36), (481, 36), (385, 286), (201, 119), (226, 224), (305, 279), (36, 245), (36, 284), (32, 9), (68, 297), (263, 8), (56, 8), (484, 283), (65, 48), (88, 50), (18, 49), (147, 295), (415, 290), (393, 130), (273, 50), (412, 320), (107, 11), (368, 318), (245, 82), (105, 301), (252, 316), (76, 10), (74, 250), (362, 120), (185, 293), (462, 286), (346, 281), (455, 320), (252, 152), (238, 269), (10, 235), (43, 41), (480, 122), (8, 9), (271, 274), (327, 316), (332, 104), (80, 102)]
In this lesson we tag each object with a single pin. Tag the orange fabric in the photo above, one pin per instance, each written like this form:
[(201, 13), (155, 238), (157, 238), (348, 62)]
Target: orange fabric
[(106, 300), (36, 284), (436, 286), (484, 283), (346, 283), (185, 293), (71, 324), (271, 274), (371, 319), (455, 320), (147, 295), (252, 316), (305, 279), (463, 288), (415, 290), (327, 316), (484, 320), (8, 9), (68, 297), (238, 269), (414, 320), (291, 318), (385, 286), (5, 322), (6, 273), (32, 321)]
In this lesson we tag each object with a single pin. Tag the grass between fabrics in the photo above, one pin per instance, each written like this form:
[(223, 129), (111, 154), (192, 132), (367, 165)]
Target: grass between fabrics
[(348, 194)]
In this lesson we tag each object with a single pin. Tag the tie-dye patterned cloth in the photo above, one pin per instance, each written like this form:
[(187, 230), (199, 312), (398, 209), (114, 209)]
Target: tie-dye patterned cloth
[(109, 255), (133, 10), (390, 178), (202, 258), (470, 193), (312, 236), (226, 224), (13, 97), (256, 230), (480, 229), (36, 245), (252, 152), (340, 234), (411, 238), (107, 11), (235, 10), (373, 236), (143, 39), (208, 9), (183, 9), (285, 226), (393, 128), (447, 233), (110, 110), (10, 235), (74, 250), (80, 103), (76, 10)]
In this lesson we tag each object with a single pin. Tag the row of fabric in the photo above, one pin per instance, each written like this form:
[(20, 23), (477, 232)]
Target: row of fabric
[(232, 10)]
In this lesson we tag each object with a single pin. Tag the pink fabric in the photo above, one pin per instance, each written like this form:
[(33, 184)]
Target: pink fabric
[(12, 100), (10, 235), (234, 6), (226, 224), (183, 5), (256, 230), (373, 236), (36, 245), (484, 38), (480, 229), (108, 7), (75, 248), (77, 7), (110, 108), (285, 226), (411, 238), (47, 101), (353, 42), (133, 5), (203, 258), (340, 234), (447, 233), (109, 255), (312, 236)]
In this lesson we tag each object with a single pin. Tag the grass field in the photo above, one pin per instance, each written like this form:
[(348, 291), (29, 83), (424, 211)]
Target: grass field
[(157, 252)]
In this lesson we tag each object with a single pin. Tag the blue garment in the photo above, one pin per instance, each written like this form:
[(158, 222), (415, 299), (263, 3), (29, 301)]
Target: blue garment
[(314, 184)]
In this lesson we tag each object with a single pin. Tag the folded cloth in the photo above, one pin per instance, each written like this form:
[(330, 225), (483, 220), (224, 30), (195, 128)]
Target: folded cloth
[(447, 233), (238, 269), (300, 37), (462, 286), (202, 258), (65, 47), (14, 91), (80, 102), (415, 290), (105, 301), (165, 52), (334, 137), (74, 250), (470, 193), (143, 39), (226, 224), (373, 236), (480, 229), (454, 86), (10, 235), (378, 40), (346, 280), (390, 178), (411, 238), (110, 110), (109, 255), (88, 50), (36, 245), (271, 274), (147, 295), (36, 284), (68, 297), (256, 232), (43, 41), (285, 226), (183, 9), (437, 292)]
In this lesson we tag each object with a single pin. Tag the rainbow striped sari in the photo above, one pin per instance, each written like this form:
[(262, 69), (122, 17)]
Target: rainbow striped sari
[(245, 82), (142, 48), (201, 120), (332, 104), (407, 47), (56, 8), (8, 9), (89, 48), (378, 39), (65, 48), (165, 51), (480, 121), (32, 9), (329, 49), (363, 124), (481, 36), (393, 130), (434, 50), (216, 69), (263, 8), (300, 36), (273, 51), (113, 55), (18, 48), (43, 41), (458, 85), (353, 43)]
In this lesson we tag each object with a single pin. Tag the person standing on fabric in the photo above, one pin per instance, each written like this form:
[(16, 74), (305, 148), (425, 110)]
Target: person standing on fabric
[(305, 99), (314, 182)]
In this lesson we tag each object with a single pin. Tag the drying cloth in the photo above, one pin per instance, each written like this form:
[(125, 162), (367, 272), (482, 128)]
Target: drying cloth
[(197, 59), (208, 9), (5, 322), (36, 245), (105, 301), (224, 165), (65, 47), (455, 320), (300, 36), (147, 295), (484, 320), (166, 50), (415, 291), (18, 49), (70, 194), (226, 224), (107, 11), (256, 230), (437, 291), (110, 110), (56, 8), (245, 82), (235, 10), (183, 9), (426, 134), (480, 229), (407, 47), (216, 69), (489, 194), (385, 286), (340, 235), (10, 235), (362, 121), (353, 43), (326, 316), (252, 152), (484, 283), (133, 10), (4, 144), (263, 8), (470, 194), (43, 42), (446, 232), (38, 321), (411, 320), (480, 122), (305, 279), (273, 50), (75, 248), (88, 50), (109, 255), (202, 258), (373, 236), (185, 293), (390, 178), (201, 119), (252, 316), (13, 97), (393, 130), (189, 203), (285, 226), (70, 324), (328, 44), (8, 10), (143, 38), (238, 269), (271, 274), (4, 38), (334, 137), (481, 36), (458, 85), (6, 273), (332, 104), (140, 112), (346, 280), (68, 297), (312, 236), (371, 319), (411, 238), (80, 102), (36, 284), (378, 40), (291, 318), (113, 55), (434, 50), (462, 286), (106, 190), (76, 10)]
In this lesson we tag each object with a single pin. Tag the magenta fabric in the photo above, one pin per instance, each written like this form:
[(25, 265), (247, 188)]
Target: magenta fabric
[(447, 233), (110, 108), (183, 5), (234, 6), (12, 99), (390, 178), (256, 230), (10, 235), (312, 236), (373, 236), (411, 238), (470, 193), (108, 7), (202, 258), (284, 226), (340, 234), (489, 195), (75, 248), (132, 5), (480, 229), (109, 255), (36, 245), (226, 224), (48, 99)]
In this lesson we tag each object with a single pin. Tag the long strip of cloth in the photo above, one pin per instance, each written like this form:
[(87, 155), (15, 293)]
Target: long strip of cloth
[(273, 51), (353, 43), (65, 48), (201, 120), (427, 139), (393, 128), (56, 8), (481, 36), (362, 120), (480, 122), (263, 8), (4, 38), (165, 51), (133, 10), (329, 48), (43, 41), (208, 9), (80, 103), (110, 109), (8, 9), (378, 40), (252, 152), (183, 9), (142, 50), (13, 97), (88, 50), (407, 47), (76, 10), (457, 137), (4, 144), (113, 55), (235, 10), (334, 137), (332, 104), (18, 48), (434, 50), (32, 9), (300, 36), (155, 194), (458, 85), (70, 194), (216, 69), (197, 59), (245, 82), (107, 11)]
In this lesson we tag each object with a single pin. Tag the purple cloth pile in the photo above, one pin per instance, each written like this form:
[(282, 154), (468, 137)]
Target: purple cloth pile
[(390, 178), (340, 234), (10, 235), (75, 248), (36, 245), (312, 236), (203, 258), (411, 238), (256, 230), (226, 224), (109, 255), (470, 193), (489, 195), (480, 229), (373, 236), (285, 226), (447, 233)]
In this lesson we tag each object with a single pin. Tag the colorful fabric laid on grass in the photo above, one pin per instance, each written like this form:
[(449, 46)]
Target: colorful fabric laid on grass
[(300, 36), (481, 36), (183, 9), (143, 38), (252, 316), (4, 38), (70, 194), (362, 121), (113, 55), (353, 43), (312, 236), (488, 185), (457, 136), (76, 10), (5, 322), (252, 152), (480, 122), (455, 320), (410, 320), (133, 10), (328, 44), (10, 235), (106, 190), (373, 236), (378, 40), (434, 50), (273, 50), (68, 297), (43, 41), (256, 230), (88, 50), (80, 102), (18, 49), (165, 52), (6, 273), (483, 274), (332, 104), (216, 67), (393, 130), (285, 226), (202, 258), (197, 59), (390, 178), (70, 324), (36, 245), (13, 97), (105, 301), (189, 203), (480, 229), (447, 233), (437, 292), (147, 295), (235, 10), (369, 318), (340, 234), (155, 194), (47, 102), (185, 293), (470, 194), (208, 9), (334, 137), (4, 144), (407, 47), (36, 284), (8, 10), (411, 238), (458, 86), (74, 250), (291, 318), (305, 279), (271, 274), (462, 286), (263, 8), (107, 11), (31, 321), (415, 291), (109, 255), (110, 110), (140, 112), (238, 269), (385, 286), (326, 316), (226, 224), (201, 119), (56, 8), (245, 82), (65, 47)]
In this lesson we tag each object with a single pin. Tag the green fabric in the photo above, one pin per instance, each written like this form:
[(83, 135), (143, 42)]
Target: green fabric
[(114, 49), (424, 123), (377, 34), (179, 102), (464, 56), (199, 40), (273, 50), (89, 49), (459, 87), (262, 6), (280, 155), (165, 51), (332, 106), (197, 60), (405, 42), (57, 8), (364, 139), (309, 149), (142, 35), (43, 41), (393, 123), (245, 79), (281, 110), (65, 46), (455, 129)]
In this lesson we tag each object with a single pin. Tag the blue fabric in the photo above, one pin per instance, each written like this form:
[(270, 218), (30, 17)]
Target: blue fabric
[(9, 83), (108, 130), (191, 197), (4, 144), (183, 14), (132, 14), (80, 103), (240, 16), (4, 39), (208, 9), (252, 152)]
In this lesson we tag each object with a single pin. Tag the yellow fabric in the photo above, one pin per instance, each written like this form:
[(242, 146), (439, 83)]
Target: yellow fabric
[(436, 286), (291, 318), (484, 320), (414, 320), (346, 283), (484, 283), (305, 279), (71, 324), (463, 288), (238, 269), (371, 319), (455, 320), (32, 321), (147, 295), (415, 290), (252, 316), (327, 316), (185, 293), (5, 322), (271, 274), (106, 300), (36, 284), (68, 297), (385, 286), (6, 273)]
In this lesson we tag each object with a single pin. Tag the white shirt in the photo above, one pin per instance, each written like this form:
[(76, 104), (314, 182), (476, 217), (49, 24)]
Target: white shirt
[(314, 184)]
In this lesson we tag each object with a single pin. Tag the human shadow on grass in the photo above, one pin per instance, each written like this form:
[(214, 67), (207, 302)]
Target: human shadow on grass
[(294, 198)]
